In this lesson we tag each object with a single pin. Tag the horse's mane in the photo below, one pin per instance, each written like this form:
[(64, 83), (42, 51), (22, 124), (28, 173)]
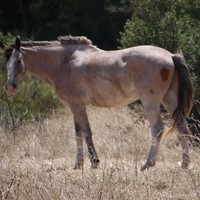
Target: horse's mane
[(74, 40), (63, 40)]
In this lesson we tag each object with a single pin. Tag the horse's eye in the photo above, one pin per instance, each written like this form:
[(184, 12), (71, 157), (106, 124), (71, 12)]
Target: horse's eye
[(19, 61)]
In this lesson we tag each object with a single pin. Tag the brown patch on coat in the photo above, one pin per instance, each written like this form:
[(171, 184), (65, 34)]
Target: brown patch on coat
[(164, 72), (151, 91)]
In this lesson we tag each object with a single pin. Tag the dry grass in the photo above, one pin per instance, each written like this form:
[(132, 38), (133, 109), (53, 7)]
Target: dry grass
[(38, 164)]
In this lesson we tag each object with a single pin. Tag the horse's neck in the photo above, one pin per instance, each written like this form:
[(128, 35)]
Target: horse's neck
[(43, 63)]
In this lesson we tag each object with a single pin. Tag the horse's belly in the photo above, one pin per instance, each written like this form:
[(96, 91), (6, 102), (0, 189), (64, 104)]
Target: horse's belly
[(114, 98)]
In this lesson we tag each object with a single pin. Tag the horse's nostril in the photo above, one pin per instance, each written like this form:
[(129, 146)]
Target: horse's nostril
[(14, 86), (11, 88)]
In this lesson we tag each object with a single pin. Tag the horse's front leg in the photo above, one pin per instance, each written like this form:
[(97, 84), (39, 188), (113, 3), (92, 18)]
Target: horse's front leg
[(79, 145), (83, 130), (91, 149)]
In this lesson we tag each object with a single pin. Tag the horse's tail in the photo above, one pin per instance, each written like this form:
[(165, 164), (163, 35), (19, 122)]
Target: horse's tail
[(185, 88)]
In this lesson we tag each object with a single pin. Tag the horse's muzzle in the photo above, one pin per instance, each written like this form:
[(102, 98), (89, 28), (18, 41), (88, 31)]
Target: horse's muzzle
[(11, 89)]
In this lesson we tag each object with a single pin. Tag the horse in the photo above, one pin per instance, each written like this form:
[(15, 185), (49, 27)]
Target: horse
[(82, 75)]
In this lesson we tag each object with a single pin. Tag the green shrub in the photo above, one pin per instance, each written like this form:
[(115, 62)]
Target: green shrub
[(34, 101)]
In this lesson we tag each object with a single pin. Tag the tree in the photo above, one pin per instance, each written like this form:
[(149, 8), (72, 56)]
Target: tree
[(100, 20), (189, 43)]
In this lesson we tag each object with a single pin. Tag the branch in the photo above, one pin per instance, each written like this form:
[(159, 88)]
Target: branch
[(10, 112)]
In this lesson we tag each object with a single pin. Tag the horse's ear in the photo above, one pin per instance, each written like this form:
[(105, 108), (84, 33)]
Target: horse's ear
[(2, 45), (17, 43)]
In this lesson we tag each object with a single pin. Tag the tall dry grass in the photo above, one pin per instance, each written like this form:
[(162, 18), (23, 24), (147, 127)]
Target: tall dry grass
[(38, 162)]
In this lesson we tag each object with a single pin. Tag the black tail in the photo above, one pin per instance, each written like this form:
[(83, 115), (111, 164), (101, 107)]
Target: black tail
[(185, 87)]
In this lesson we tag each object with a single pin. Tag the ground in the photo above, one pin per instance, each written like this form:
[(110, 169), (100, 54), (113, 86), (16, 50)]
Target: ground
[(38, 162)]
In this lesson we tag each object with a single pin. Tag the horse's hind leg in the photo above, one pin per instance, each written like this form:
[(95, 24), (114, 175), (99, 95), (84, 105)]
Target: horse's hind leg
[(153, 114), (170, 104), (181, 125), (82, 128)]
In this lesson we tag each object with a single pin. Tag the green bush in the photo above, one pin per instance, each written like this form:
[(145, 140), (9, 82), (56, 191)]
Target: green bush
[(189, 43), (34, 101)]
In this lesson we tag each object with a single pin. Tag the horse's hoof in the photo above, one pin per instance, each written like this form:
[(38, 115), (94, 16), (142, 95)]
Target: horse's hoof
[(95, 164), (144, 167), (78, 166), (147, 165), (185, 164)]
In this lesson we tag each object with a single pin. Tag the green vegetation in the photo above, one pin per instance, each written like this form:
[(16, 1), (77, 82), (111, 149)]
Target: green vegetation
[(99, 20)]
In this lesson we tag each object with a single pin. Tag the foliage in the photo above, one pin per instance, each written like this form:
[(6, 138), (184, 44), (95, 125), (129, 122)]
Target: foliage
[(136, 32), (99, 20), (189, 43), (153, 22), (34, 101)]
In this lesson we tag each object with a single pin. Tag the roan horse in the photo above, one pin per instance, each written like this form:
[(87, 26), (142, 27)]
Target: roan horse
[(83, 75)]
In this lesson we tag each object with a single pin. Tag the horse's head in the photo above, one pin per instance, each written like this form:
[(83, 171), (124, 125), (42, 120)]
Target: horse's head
[(13, 60)]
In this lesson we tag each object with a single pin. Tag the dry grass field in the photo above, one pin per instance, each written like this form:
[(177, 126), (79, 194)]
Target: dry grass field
[(38, 163)]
